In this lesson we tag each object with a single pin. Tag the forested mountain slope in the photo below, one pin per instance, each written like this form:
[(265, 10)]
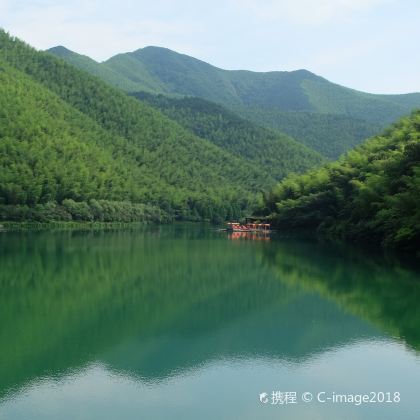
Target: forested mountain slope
[(325, 116), (331, 135), (166, 71), (56, 163), (277, 153), (91, 66), (66, 135), (49, 151), (370, 194)]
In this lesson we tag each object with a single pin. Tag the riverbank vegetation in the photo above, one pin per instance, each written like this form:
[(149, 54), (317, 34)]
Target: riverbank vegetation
[(372, 194)]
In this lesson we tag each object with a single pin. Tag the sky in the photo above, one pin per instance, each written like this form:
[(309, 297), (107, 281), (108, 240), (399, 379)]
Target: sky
[(369, 45)]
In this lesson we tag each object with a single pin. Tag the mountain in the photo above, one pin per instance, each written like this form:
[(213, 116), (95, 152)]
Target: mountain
[(325, 116), (74, 147), (50, 152), (370, 194), (91, 66), (277, 153), (300, 90), (329, 134)]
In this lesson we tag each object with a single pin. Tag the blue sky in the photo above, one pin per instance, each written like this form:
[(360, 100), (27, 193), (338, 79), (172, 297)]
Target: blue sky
[(370, 45)]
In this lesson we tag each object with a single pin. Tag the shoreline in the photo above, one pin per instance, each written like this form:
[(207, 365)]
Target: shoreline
[(69, 225)]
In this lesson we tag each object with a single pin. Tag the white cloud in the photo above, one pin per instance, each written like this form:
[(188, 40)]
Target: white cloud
[(306, 11), (88, 28), (365, 44)]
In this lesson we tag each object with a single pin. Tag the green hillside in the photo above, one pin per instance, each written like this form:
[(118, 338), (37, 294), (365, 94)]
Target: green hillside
[(278, 154), (370, 194), (74, 147), (91, 66), (69, 140), (50, 152), (324, 116), (329, 134), (172, 73)]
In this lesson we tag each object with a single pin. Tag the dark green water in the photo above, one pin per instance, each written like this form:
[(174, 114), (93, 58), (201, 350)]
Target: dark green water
[(181, 322)]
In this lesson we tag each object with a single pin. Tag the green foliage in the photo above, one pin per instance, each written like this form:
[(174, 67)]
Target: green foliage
[(328, 118), (329, 134), (67, 135), (92, 211), (330, 98), (371, 194), (49, 151), (275, 153), (91, 66)]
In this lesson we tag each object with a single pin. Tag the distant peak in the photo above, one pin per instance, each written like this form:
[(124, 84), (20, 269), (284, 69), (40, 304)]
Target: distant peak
[(155, 49), (306, 74), (167, 53), (60, 50)]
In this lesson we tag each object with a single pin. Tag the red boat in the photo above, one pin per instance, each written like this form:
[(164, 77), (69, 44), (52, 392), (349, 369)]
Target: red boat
[(248, 227)]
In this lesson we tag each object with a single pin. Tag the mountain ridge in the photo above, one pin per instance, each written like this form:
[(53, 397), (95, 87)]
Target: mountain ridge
[(277, 100), (301, 71), (140, 161)]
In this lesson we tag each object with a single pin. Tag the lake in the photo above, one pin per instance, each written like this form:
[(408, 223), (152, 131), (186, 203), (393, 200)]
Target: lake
[(187, 322)]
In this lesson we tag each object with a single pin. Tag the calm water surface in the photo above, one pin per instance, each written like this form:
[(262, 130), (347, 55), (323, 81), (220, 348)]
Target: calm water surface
[(183, 322)]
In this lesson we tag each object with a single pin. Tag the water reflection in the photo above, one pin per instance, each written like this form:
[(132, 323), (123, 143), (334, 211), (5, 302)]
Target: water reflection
[(251, 236), (381, 291), (167, 307)]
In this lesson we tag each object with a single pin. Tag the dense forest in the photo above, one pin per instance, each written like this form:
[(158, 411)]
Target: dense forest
[(277, 153), (73, 147), (331, 135), (165, 71), (66, 135), (370, 194), (50, 154), (324, 116)]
